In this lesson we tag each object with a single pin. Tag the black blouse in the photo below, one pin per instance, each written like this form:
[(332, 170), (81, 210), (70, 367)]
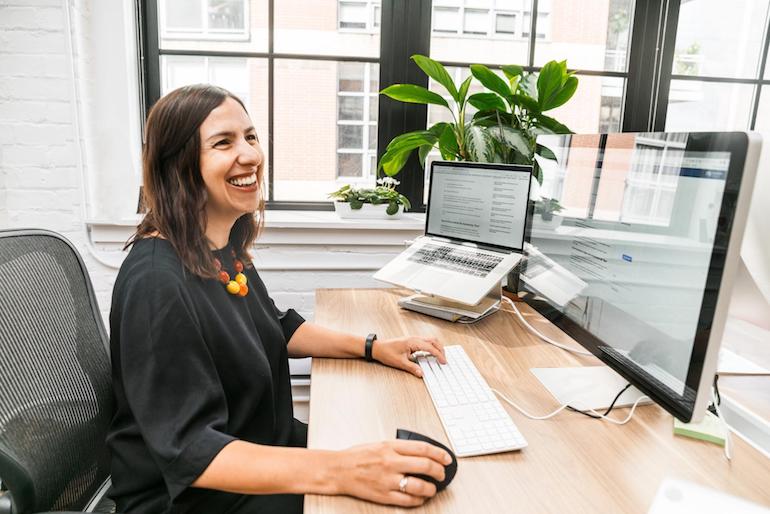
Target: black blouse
[(194, 368)]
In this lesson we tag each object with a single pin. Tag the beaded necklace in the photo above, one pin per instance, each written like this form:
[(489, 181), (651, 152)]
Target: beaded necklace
[(237, 286)]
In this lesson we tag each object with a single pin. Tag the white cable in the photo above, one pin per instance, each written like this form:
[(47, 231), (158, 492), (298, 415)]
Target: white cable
[(728, 440), (562, 407), (541, 335)]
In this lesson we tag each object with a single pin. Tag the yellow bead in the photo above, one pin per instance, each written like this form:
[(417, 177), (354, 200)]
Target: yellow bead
[(233, 287), (241, 278)]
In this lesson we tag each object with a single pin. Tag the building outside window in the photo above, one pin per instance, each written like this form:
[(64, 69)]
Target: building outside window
[(206, 19), (359, 15), (357, 101)]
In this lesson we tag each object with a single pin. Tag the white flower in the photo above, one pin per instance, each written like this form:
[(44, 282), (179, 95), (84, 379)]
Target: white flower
[(387, 181)]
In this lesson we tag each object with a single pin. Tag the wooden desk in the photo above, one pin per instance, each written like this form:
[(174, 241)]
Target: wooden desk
[(573, 464)]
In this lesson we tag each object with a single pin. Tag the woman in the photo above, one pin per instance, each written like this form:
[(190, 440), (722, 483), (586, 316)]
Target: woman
[(204, 420)]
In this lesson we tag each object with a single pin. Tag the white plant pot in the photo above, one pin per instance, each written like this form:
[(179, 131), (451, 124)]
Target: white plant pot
[(551, 224), (367, 211)]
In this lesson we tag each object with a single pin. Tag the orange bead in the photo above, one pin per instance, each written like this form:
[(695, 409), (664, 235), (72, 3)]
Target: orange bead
[(244, 290), (233, 287), (241, 279), (238, 265), (224, 277)]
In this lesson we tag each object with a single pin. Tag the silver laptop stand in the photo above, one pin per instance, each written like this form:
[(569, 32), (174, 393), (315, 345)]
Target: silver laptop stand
[(450, 310)]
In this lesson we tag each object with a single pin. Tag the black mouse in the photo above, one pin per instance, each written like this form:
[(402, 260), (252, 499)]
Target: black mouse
[(449, 470)]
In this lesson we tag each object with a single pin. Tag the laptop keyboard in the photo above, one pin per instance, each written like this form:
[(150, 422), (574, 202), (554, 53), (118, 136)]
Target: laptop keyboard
[(465, 261)]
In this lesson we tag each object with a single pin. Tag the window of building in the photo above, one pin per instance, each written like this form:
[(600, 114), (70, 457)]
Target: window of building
[(204, 19), (357, 103), (359, 15)]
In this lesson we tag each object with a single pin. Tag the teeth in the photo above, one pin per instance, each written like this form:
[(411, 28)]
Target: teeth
[(244, 181)]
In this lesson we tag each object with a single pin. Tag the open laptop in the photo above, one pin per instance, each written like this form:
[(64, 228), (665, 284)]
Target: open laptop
[(474, 231)]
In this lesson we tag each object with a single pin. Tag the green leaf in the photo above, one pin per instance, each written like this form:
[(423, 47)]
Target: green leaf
[(545, 152), (528, 85), (487, 102), (413, 94), (422, 154), (480, 144), (356, 204), (564, 94), (392, 208), (512, 70), (437, 72), (400, 147), (463, 93), (528, 103), (491, 80), (490, 118), (514, 138), (447, 144), (551, 124)]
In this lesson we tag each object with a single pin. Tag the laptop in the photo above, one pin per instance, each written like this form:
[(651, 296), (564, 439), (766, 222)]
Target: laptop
[(474, 232)]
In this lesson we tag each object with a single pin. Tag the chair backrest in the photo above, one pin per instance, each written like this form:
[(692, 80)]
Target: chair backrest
[(55, 378)]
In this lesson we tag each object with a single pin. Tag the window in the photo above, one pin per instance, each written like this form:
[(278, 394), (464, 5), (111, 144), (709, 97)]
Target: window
[(311, 79)]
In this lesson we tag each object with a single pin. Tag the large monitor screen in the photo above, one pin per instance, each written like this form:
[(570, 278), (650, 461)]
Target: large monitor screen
[(628, 246)]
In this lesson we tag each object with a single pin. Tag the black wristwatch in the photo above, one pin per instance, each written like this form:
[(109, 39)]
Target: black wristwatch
[(370, 339)]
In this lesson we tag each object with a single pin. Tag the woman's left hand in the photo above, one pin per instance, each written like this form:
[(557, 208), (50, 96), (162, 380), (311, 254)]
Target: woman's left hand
[(396, 353)]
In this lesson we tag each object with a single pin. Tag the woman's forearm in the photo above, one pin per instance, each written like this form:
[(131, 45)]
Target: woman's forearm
[(311, 340), (248, 468)]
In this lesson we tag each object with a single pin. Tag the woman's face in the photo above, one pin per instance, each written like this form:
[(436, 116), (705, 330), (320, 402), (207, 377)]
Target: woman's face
[(231, 163)]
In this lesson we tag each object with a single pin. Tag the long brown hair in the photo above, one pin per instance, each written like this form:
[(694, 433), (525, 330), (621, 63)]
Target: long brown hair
[(174, 193)]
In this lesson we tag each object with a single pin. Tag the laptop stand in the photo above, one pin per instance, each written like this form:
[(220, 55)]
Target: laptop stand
[(450, 310)]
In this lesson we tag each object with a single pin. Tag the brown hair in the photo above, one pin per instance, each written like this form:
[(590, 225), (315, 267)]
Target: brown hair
[(174, 192)]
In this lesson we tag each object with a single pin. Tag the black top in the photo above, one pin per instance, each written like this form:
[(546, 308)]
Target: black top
[(194, 368)]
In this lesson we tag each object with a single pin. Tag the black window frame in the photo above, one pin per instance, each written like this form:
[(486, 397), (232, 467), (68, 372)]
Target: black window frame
[(405, 30)]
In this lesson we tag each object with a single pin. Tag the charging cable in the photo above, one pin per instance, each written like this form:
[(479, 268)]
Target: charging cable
[(541, 335)]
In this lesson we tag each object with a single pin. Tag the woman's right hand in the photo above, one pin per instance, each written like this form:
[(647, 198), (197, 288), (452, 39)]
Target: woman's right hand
[(374, 471)]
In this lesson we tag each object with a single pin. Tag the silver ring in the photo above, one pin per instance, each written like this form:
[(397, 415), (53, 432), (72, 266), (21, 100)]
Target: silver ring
[(402, 484)]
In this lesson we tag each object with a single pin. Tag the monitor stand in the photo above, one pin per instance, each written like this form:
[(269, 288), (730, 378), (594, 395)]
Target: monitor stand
[(450, 310), (588, 387)]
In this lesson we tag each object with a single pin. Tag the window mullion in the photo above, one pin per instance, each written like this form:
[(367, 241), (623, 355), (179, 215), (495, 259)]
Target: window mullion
[(404, 31)]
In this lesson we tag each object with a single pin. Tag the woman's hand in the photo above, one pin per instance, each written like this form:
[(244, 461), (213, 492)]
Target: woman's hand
[(396, 353), (375, 472)]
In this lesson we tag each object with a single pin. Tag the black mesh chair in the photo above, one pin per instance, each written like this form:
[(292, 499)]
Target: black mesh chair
[(55, 385)]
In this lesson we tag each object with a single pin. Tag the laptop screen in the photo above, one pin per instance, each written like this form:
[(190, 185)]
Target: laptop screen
[(479, 203)]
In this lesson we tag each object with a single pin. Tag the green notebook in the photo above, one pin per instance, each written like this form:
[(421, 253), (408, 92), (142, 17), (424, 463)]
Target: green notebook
[(709, 429)]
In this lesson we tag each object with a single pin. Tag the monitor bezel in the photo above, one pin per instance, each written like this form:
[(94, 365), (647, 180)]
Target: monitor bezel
[(713, 303), (518, 168)]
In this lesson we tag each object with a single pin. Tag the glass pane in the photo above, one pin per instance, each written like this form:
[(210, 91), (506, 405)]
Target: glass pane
[(350, 136), (350, 165), (595, 107), (184, 14), (595, 38), (482, 31), (227, 15), (505, 24), (476, 21), (720, 39), (351, 107), (353, 15), (696, 105), (374, 107), (307, 126), (372, 137), (328, 27), (215, 25), (246, 78)]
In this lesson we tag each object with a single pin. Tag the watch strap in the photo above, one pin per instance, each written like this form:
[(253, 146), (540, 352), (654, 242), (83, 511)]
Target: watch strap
[(370, 339)]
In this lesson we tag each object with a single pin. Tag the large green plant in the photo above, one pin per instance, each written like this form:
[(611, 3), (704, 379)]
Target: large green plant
[(504, 129)]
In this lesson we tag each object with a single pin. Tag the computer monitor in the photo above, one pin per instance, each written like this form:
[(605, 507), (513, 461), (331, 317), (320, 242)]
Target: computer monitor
[(639, 263)]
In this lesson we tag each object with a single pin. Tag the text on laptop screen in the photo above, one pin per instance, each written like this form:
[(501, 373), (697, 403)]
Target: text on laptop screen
[(480, 205)]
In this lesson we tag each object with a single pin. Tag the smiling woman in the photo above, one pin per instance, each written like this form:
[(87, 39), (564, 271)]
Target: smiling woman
[(203, 410)]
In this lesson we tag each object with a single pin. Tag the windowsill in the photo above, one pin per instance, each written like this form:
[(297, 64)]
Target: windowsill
[(293, 227)]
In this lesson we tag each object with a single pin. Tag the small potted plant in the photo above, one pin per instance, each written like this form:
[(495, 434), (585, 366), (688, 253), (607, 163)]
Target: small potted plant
[(380, 202), (548, 208)]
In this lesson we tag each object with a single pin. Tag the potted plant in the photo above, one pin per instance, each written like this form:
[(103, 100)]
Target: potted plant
[(380, 202), (510, 115), (548, 208)]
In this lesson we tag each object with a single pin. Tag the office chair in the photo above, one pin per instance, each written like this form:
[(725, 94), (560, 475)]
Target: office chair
[(55, 385)]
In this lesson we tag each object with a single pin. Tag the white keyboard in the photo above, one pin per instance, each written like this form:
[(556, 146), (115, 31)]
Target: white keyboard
[(473, 418)]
